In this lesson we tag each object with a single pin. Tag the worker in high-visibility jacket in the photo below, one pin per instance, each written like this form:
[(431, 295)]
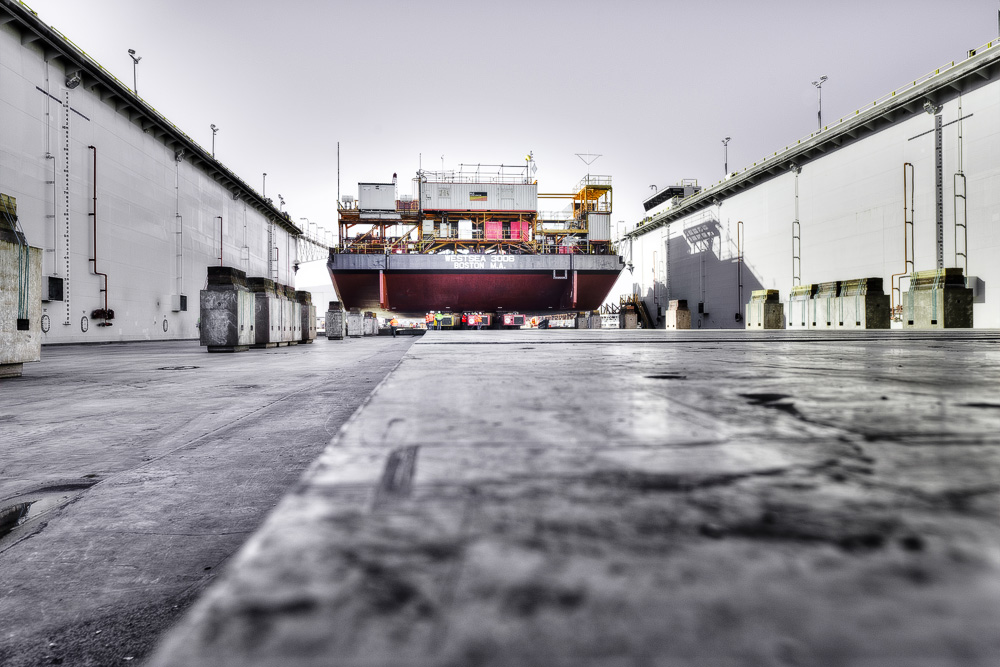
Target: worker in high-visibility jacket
[(437, 320)]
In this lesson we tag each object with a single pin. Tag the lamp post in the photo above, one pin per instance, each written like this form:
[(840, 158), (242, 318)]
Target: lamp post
[(263, 190), (819, 90), (725, 152), (135, 61), (214, 130)]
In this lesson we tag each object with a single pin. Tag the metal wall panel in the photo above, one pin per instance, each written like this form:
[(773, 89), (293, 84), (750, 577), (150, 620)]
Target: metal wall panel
[(446, 196), (599, 226), (465, 229), (377, 196)]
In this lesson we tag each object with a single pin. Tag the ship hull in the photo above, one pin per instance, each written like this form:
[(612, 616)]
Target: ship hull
[(411, 284)]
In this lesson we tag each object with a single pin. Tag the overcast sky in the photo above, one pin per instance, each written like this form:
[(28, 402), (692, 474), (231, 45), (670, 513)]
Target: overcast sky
[(651, 86)]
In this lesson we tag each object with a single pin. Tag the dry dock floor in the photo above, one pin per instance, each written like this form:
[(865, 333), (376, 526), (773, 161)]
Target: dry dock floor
[(557, 498), (647, 498), (146, 467)]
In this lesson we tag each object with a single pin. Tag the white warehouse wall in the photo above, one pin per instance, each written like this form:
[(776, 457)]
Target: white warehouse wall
[(851, 218), (156, 216)]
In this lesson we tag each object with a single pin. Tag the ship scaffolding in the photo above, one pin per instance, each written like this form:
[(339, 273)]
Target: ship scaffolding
[(477, 209)]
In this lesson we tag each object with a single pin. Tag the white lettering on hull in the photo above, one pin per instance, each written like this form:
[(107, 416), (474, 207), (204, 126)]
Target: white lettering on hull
[(464, 262)]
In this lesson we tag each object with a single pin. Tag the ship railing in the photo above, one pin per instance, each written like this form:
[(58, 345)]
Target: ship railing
[(593, 179), (480, 173), (554, 216)]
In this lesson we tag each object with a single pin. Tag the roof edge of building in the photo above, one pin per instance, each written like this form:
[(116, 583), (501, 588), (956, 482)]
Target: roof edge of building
[(57, 47), (981, 67)]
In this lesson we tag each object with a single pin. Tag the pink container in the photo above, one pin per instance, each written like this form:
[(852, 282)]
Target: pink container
[(494, 230)]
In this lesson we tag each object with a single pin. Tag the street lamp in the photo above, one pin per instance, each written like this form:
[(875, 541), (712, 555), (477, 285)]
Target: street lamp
[(819, 90), (135, 61), (282, 200), (263, 190), (214, 130), (725, 150)]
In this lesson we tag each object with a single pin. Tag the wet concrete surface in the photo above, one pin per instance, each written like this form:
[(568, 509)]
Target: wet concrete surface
[(638, 498), (142, 469)]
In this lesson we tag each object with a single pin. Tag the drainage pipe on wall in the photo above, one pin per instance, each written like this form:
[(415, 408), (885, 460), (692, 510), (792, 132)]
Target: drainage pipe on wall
[(896, 280), (178, 227), (739, 269), (220, 239), (107, 312)]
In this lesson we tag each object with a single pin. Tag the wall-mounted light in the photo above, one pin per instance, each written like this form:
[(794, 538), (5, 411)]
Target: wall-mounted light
[(135, 61), (819, 91)]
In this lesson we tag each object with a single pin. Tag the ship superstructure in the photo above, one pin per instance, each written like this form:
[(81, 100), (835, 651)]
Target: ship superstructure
[(474, 239)]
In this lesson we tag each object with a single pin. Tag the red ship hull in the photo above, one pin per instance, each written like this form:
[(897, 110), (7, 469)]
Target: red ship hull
[(415, 284)]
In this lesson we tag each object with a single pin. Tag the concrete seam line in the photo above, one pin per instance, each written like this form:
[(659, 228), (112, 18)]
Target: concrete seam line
[(354, 416)]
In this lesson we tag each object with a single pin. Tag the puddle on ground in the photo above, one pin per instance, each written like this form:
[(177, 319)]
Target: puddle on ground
[(15, 515), (11, 516)]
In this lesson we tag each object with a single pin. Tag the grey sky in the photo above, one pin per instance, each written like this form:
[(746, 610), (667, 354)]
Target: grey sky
[(652, 86)]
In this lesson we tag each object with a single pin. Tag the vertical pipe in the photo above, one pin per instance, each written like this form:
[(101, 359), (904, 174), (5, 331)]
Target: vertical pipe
[(796, 234), (179, 231), (94, 260), (220, 239), (739, 268), (908, 264)]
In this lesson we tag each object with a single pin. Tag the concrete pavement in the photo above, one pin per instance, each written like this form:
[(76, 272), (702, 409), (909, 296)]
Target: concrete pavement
[(637, 498), (147, 465)]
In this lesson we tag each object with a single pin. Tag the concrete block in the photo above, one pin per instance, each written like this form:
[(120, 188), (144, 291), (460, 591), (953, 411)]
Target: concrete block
[(846, 304), (765, 311), (943, 308), (267, 312), (586, 321), (355, 325), (938, 299), (335, 321), (227, 311), (290, 316), (678, 316), (824, 306), (863, 311), (20, 337), (307, 317), (628, 319), (800, 306)]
